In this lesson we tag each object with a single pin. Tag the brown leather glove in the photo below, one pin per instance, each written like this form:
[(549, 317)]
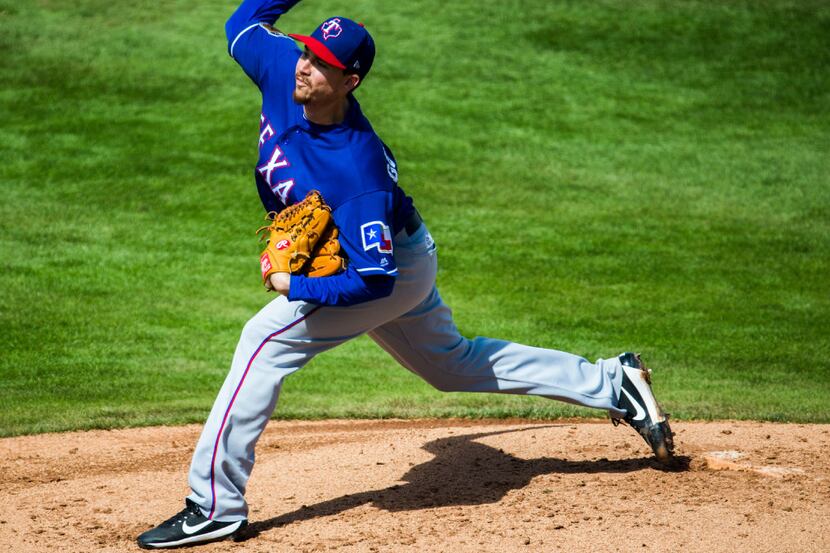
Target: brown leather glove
[(301, 239)]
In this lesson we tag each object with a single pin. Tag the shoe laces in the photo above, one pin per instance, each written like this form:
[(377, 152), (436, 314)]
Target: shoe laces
[(190, 511)]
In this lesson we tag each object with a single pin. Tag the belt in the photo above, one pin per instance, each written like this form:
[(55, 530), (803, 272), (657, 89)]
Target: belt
[(413, 223)]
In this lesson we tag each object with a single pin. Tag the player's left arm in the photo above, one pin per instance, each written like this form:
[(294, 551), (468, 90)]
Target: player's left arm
[(344, 289), (366, 237)]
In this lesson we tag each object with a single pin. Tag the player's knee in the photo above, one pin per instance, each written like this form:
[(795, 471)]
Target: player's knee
[(452, 358), (444, 382)]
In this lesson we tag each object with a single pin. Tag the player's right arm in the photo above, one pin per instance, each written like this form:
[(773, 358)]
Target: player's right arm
[(252, 43)]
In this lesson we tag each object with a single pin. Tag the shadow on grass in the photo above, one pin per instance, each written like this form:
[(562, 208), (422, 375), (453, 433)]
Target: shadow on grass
[(463, 472)]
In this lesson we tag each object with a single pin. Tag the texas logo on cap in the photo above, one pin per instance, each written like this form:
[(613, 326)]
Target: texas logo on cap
[(331, 28), (342, 43)]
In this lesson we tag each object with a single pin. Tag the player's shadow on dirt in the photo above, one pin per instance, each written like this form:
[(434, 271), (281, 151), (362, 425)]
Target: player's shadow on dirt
[(463, 472)]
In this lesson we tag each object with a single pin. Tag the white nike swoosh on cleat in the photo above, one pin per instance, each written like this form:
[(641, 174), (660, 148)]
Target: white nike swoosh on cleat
[(189, 530), (641, 413), (220, 533)]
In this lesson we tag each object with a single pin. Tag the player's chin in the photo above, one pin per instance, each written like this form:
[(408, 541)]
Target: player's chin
[(301, 97)]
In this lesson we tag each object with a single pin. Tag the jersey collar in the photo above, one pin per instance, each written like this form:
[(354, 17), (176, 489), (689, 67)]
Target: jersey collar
[(353, 116)]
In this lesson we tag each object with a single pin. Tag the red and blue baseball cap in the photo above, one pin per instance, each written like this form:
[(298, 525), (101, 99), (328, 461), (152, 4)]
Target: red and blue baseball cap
[(343, 43)]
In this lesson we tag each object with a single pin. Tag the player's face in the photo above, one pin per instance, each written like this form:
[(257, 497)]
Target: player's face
[(315, 81)]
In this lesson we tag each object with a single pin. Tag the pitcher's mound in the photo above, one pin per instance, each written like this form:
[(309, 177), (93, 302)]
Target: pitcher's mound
[(437, 486)]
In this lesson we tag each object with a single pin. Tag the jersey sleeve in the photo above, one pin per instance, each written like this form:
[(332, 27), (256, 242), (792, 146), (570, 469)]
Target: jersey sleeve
[(344, 289), (253, 43), (366, 233)]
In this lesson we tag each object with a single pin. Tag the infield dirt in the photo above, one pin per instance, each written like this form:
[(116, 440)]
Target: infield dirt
[(435, 486)]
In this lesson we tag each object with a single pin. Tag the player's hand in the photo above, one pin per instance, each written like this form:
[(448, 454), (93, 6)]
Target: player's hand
[(279, 283)]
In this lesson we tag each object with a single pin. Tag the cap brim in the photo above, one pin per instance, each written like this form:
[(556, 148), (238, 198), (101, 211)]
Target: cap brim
[(319, 49)]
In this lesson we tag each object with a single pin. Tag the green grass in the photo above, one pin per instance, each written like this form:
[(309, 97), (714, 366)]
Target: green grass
[(605, 176)]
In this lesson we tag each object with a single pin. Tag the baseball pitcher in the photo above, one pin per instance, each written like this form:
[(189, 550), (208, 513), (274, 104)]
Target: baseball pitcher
[(323, 172)]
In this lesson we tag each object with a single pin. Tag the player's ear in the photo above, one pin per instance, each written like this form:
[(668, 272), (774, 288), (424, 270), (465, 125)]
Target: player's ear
[(352, 80)]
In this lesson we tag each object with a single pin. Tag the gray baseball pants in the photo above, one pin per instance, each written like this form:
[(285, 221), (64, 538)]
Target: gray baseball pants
[(414, 326)]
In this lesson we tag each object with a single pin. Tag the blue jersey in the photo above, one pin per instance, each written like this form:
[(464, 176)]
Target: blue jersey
[(347, 163)]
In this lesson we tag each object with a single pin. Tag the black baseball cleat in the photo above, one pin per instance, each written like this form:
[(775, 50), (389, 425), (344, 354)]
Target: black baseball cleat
[(643, 413), (189, 527)]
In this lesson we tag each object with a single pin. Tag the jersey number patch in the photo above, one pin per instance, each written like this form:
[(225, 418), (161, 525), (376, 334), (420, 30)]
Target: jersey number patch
[(391, 166)]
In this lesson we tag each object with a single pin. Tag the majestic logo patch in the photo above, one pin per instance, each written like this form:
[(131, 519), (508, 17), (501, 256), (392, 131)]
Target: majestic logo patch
[(282, 244), (331, 28), (376, 235)]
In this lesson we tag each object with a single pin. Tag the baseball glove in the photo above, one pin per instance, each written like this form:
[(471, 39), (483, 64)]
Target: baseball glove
[(298, 235), (327, 259)]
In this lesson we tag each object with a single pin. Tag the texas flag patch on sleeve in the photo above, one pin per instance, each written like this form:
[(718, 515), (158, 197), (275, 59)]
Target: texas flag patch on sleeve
[(376, 235)]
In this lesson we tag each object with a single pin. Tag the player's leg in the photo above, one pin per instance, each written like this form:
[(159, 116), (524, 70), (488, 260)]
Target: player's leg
[(276, 342), (273, 344), (427, 342), (267, 352)]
